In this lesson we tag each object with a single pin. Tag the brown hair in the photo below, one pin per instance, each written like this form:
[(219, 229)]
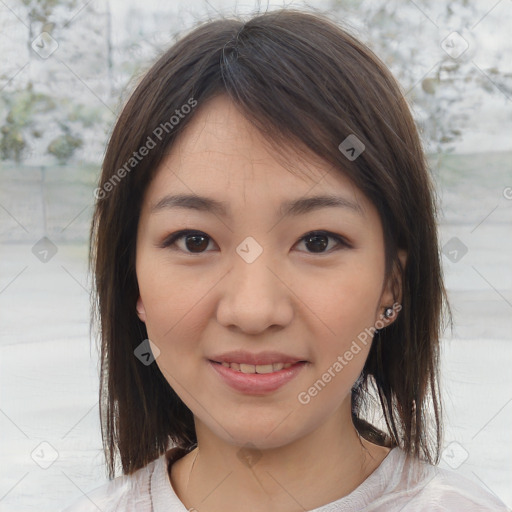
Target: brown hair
[(304, 82)]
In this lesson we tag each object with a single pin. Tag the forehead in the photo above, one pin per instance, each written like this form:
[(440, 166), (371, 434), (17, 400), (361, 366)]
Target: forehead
[(220, 153)]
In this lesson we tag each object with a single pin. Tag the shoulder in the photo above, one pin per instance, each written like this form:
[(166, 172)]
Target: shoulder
[(127, 493), (425, 487), (456, 491)]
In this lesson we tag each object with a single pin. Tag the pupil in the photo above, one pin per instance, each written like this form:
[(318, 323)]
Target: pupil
[(197, 243), (323, 241)]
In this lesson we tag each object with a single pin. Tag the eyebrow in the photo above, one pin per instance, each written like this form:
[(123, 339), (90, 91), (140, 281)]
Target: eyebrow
[(296, 207)]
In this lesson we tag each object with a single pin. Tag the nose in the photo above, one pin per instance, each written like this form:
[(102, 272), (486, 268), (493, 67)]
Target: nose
[(254, 296)]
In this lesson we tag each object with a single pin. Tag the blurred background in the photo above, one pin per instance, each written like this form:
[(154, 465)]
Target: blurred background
[(67, 66)]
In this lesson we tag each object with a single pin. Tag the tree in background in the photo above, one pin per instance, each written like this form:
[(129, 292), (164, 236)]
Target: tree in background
[(52, 77), (60, 108), (439, 75)]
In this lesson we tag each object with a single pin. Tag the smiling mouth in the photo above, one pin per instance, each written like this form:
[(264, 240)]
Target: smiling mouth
[(258, 368), (257, 379)]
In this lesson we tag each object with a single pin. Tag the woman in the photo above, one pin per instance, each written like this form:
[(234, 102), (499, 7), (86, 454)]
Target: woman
[(268, 283)]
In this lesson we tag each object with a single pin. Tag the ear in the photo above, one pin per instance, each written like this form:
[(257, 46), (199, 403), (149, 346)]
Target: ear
[(392, 292), (141, 311)]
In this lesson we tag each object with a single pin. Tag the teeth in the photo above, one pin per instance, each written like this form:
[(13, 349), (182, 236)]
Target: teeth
[(259, 368), (264, 368), (246, 368)]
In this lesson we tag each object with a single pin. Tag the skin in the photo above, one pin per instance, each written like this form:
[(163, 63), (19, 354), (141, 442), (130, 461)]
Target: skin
[(308, 304)]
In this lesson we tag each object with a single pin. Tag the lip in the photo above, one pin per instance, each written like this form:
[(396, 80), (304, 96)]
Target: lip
[(257, 383), (243, 357)]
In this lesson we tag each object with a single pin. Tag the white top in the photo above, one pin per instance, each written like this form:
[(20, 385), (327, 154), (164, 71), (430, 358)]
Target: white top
[(400, 483)]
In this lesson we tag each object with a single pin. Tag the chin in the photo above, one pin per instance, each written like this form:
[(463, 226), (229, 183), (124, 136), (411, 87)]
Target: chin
[(266, 433)]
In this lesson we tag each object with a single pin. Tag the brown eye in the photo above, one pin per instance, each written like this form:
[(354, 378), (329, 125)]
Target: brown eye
[(197, 242), (194, 241), (318, 241)]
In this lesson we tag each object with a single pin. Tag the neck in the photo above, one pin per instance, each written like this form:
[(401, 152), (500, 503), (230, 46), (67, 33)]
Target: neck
[(321, 467)]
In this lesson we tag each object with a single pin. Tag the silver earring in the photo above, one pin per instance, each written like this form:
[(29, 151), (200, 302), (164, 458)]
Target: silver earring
[(388, 312)]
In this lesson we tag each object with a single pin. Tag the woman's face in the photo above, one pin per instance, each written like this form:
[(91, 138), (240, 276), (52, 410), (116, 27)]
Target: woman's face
[(253, 284)]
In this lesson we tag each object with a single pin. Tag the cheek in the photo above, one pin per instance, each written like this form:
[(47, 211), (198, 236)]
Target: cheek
[(346, 306), (346, 301), (175, 301)]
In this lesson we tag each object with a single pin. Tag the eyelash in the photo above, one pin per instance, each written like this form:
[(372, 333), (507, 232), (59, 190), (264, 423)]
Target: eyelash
[(174, 237)]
